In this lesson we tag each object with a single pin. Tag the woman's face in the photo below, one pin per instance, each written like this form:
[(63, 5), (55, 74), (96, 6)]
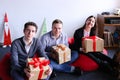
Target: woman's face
[(90, 22), (29, 32)]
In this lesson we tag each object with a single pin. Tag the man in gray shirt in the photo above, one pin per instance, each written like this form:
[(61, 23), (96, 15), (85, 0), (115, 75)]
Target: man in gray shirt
[(54, 37), (22, 48)]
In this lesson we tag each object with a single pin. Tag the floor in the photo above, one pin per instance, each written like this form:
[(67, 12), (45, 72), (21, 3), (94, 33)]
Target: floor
[(93, 75)]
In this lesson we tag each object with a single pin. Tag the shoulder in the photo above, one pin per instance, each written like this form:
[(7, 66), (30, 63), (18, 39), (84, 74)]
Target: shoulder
[(18, 40), (80, 30), (35, 39), (46, 35), (64, 34)]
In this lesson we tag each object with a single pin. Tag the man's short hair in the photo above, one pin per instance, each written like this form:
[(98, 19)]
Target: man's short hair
[(57, 21), (30, 24)]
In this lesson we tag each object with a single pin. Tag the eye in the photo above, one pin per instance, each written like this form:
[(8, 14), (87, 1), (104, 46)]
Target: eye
[(33, 31), (59, 28), (27, 30)]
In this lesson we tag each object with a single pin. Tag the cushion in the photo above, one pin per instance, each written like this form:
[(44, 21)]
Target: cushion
[(5, 67), (70, 41), (85, 63)]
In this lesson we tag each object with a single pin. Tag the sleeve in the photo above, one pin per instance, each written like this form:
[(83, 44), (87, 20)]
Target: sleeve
[(14, 57), (41, 50), (43, 43), (66, 40), (77, 40)]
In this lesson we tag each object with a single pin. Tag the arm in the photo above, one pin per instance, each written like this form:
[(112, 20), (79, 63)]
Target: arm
[(41, 50), (43, 43), (78, 40), (65, 42), (14, 57)]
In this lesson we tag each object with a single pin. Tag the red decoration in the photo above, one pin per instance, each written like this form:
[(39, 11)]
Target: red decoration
[(94, 42), (41, 63), (7, 35)]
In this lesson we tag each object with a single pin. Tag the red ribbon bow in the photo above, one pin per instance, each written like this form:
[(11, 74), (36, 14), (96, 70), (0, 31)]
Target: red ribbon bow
[(38, 62), (94, 42)]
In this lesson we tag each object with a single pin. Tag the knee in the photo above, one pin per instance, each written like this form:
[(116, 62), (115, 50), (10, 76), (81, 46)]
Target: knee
[(74, 54)]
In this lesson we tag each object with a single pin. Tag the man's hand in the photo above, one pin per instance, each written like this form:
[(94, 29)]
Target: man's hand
[(27, 72), (49, 71)]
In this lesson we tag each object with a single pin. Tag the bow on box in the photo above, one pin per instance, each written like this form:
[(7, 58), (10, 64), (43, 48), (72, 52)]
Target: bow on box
[(61, 53), (41, 64)]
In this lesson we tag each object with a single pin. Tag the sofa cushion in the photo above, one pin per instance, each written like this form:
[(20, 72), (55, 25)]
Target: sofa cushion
[(5, 67), (85, 63)]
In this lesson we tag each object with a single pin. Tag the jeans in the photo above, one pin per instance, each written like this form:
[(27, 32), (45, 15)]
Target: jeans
[(65, 67)]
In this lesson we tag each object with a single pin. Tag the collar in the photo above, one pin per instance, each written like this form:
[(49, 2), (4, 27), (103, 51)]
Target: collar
[(52, 36), (26, 42)]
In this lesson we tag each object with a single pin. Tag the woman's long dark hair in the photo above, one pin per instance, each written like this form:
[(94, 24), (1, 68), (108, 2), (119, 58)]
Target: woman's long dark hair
[(93, 29)]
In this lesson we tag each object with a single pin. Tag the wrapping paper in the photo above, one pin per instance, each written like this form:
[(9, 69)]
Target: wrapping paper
[(61, 53), (92, 44), (37, 67)]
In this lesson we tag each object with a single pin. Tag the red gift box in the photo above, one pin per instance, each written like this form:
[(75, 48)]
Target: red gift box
[(37, 67), (92, 44)]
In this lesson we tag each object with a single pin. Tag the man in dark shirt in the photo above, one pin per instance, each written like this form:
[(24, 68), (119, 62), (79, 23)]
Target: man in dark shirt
[(25, 47)]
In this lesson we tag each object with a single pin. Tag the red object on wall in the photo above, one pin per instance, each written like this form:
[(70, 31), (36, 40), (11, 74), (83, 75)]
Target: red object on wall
[(7, 35)]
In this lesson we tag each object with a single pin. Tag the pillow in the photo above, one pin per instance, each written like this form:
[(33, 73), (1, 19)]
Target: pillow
[(85, 63), (70, 41), (5, 67)]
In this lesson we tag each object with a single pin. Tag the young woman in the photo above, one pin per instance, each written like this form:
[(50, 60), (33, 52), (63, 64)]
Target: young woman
[(89, 29)]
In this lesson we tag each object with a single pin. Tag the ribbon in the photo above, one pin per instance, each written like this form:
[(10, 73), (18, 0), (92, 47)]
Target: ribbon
[(41, 63), (94, 41)]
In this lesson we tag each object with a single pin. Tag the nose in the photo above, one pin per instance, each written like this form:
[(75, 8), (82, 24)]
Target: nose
[(57, 30), (91, 22)]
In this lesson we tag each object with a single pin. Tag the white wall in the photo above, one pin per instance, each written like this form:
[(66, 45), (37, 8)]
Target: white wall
[(72, 12)]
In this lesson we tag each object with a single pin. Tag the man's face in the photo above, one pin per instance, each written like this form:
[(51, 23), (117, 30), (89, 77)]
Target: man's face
[(29, 32), (57, 29)]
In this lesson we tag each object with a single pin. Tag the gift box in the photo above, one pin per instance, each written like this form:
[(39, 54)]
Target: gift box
[(92, 44), (61, 53), (38, 67)]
